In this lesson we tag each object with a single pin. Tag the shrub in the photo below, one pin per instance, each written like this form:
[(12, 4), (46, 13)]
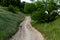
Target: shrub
[(29, 8), (13, 9), (41, 16)]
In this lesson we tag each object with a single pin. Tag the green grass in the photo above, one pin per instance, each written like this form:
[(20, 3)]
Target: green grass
[(9, 23), (51, 31)]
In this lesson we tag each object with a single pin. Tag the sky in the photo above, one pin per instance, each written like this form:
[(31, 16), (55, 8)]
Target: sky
[(30, 1), (26, 1)]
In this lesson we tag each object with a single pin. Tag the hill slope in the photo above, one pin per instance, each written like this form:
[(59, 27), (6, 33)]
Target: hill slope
[(9, 23), (51, 31)]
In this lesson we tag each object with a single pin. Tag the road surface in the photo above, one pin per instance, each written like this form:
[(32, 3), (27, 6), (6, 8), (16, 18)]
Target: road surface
[(27, 32)]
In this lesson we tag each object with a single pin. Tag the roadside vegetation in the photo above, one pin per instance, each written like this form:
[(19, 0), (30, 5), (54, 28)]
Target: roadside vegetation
[(13, 9), (50, 31), (9, 23), (46, 21), (10, 18), (45, 17)]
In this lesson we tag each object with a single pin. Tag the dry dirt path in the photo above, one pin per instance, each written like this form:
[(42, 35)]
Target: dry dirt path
[(27, 32)]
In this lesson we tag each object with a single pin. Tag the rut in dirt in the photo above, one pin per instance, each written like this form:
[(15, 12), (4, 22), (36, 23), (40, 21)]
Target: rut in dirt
[(27, 32)]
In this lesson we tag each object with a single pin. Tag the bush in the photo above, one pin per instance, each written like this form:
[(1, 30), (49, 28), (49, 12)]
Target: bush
[(29, 8), (41, 16), (13, 9)]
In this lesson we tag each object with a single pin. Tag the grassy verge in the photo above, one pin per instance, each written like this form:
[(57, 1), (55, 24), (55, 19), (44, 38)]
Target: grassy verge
[(9, 23), (51, 31)]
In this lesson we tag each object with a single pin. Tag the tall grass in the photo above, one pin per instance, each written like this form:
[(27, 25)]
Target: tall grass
[(51, 31), (9, 23)]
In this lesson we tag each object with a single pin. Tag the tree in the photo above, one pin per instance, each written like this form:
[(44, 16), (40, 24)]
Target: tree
[(10, 2), (29, 7), (32, 0), (40, 14), (22, 4)]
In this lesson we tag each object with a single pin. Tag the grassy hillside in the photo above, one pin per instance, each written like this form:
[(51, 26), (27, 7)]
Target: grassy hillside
[(51, 31), (9, 23)]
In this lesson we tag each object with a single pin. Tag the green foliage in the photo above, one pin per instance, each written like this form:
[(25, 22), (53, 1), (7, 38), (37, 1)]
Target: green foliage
[(40, 14), (50, 31), (9, 23), (29, 8), (51, 6), (38, 4), (15, 3), (22, 6), (13, 9), (10, 2)]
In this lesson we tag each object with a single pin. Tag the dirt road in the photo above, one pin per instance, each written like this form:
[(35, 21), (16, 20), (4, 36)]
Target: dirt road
[(27, 32)]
